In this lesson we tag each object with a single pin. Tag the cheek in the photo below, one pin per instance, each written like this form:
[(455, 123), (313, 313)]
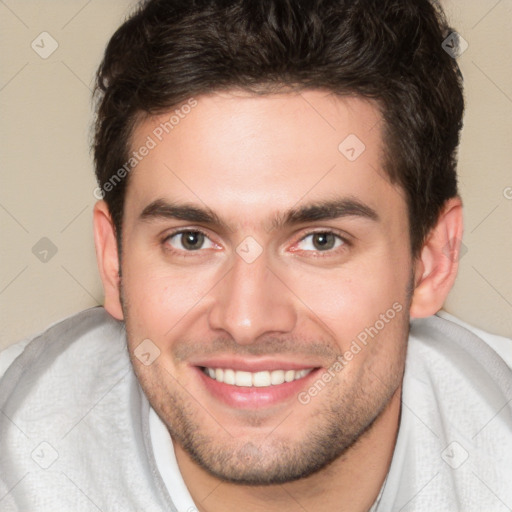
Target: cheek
[(158, 296), (351, 298)]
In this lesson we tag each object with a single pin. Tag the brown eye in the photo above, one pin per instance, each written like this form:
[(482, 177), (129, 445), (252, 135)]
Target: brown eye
[(189, 241), (322, 241)]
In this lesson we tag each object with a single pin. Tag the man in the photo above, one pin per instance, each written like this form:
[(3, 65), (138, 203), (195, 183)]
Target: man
[(278, 226)]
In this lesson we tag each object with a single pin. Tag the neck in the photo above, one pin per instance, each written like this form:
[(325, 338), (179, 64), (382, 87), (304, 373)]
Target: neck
[(351, 483)]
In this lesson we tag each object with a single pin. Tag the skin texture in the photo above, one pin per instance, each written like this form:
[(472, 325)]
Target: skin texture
[(250, 159)]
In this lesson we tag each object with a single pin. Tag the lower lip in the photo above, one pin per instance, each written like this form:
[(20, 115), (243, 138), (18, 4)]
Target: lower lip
[(255, 397)]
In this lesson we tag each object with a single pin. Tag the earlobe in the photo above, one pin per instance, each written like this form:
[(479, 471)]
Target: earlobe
[(436, 268), (107, 258)]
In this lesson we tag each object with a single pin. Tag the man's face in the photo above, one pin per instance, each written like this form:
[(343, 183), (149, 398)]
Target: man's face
[(302, 252)]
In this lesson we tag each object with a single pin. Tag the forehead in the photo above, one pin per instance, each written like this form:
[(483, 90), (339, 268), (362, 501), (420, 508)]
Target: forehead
[(246, 155)]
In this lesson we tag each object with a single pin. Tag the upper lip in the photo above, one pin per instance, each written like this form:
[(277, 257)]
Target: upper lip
[(252, 365)]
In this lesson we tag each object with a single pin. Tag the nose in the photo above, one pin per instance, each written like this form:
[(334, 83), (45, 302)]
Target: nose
[(252, 300)]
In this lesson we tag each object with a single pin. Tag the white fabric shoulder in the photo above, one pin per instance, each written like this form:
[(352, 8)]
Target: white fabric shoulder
[(454, 440), (74, 428), (9, 354), (501, 345)]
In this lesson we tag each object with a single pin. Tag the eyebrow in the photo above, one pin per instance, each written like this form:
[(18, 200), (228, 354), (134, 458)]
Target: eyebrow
[(321, 210)]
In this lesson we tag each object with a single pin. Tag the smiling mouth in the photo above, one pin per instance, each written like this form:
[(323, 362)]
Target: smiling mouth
[(254, 379)]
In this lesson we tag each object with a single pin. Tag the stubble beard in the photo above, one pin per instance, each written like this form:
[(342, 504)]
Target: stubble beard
[(345, 416)]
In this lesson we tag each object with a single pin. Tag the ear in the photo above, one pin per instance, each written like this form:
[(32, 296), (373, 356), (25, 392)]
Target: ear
[(107, 257), (437, 265)]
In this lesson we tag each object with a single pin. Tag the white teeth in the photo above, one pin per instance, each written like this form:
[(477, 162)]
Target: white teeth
[(229, 376), (277, 377), (301, 373), (243, 379), (289, 375), (261, 379), (256, 379)]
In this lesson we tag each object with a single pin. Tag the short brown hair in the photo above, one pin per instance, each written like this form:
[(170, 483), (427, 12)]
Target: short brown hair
[(387, 50)]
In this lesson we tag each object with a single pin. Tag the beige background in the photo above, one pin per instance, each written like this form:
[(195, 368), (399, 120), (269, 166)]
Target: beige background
[(47, 177)]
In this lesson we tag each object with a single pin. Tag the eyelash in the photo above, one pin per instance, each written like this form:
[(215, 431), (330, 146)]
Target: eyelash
[(322, 254)]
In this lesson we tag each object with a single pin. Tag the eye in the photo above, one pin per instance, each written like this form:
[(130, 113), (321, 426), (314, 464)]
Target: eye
[(189, 240), (322, 241)]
